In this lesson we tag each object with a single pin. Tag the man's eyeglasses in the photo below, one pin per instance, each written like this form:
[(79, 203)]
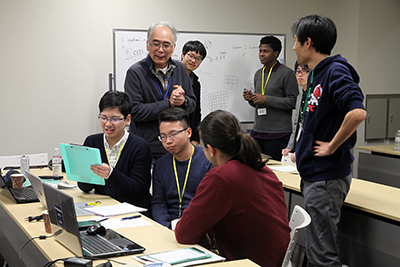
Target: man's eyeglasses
[(172, 135), (165, 46), (192, 57), (112, 120), (303, 71)]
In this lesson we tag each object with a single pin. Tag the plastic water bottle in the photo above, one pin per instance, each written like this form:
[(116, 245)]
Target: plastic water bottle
[(56, 162), (24, 164), (397, 141)]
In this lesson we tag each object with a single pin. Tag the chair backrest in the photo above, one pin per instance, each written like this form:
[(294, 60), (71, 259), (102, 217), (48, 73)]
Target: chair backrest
[(298, 220)]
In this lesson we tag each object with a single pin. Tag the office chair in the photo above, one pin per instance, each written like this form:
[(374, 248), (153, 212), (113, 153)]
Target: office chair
[(298, 220)]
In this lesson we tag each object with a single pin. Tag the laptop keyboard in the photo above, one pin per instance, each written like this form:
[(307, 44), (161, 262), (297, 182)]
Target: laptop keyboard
[(95, 244), (25, 193)]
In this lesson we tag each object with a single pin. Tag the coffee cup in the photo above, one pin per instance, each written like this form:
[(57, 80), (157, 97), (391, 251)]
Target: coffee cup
[(17, 180)]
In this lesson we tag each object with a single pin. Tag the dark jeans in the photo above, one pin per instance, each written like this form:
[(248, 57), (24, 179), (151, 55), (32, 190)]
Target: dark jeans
[(273, 147)]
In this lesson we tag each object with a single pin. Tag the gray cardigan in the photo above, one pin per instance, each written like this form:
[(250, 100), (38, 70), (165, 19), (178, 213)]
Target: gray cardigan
[(291, 144), (281, 92)]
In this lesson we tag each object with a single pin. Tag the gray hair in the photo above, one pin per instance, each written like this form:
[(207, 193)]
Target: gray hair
[(163, 24)]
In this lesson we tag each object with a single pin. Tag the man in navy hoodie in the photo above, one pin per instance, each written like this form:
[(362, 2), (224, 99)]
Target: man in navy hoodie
[(333, 112)]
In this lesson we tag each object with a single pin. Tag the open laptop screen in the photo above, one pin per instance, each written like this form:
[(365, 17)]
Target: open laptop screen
[(37, 185), (62, 216)]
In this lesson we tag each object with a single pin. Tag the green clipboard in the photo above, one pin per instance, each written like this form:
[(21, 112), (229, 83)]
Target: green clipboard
[(77, 160), (176, 256)]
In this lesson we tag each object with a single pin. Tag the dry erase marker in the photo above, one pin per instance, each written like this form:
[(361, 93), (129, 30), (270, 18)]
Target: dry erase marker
[(132, 217), (93, 203), (247, 90)]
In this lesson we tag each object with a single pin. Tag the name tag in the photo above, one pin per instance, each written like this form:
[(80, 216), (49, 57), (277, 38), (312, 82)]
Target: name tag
[(262, 111), (300, 130)]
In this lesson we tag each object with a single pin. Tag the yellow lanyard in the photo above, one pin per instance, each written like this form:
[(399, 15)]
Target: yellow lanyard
[(264, 85), (177, 180), (119, 154)]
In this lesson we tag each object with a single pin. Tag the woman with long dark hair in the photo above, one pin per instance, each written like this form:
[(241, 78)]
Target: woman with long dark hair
[(240, 203)]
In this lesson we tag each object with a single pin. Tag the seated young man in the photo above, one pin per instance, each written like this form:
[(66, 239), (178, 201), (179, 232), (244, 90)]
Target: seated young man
[(126, 157), (177, 174)]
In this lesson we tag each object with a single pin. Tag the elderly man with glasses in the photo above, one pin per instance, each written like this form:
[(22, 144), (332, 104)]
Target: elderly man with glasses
[(177, 174), (126, 157), (157, 83)]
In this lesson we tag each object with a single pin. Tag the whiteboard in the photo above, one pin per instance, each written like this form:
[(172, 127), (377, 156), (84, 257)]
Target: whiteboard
[(232, 60)]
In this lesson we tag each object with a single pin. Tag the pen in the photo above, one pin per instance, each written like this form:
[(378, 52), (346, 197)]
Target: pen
[(93, 203), (132, 217), (102, 220)]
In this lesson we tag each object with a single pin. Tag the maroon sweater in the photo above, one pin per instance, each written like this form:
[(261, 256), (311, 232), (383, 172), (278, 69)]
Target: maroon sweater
[(246, 210)]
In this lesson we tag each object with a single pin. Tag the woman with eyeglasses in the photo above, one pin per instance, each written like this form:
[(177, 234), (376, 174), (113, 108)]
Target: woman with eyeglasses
[(240, 202), (301, 72)]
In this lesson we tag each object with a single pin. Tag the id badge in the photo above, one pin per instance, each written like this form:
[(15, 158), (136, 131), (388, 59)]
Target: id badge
[(262, 111), (299, 132)]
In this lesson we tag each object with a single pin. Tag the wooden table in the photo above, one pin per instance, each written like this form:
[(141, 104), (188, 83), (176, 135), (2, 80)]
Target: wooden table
[(369, 231), (383, 149), (379, 164), (15, 231), (366, 196)]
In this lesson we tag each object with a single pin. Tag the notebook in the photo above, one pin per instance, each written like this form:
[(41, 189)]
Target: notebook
[(21, 195), (62, 216), (183, 257), (114, 210), (177, 256), (77, 160)]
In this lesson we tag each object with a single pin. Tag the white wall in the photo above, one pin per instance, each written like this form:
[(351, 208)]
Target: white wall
[(55, 56), (378, 49)]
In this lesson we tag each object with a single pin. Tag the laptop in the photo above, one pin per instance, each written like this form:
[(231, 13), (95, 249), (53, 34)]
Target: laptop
[(37, 186), (62, 216), (21, 195)]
